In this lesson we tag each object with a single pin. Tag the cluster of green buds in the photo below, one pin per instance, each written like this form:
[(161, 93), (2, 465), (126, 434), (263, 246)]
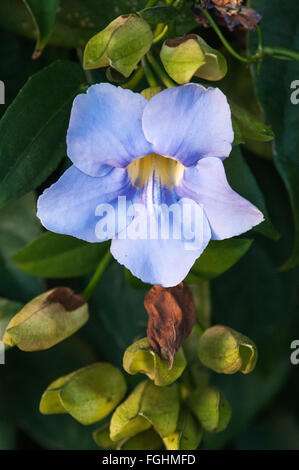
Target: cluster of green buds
[(162, 411), (128, 38)]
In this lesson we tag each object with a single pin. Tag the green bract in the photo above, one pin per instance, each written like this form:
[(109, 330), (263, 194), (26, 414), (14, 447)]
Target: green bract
[(187, 435), (88, 394), (148, 405), (48, 319), (227, 351), (211, 408), (121, 45), (191, 55), (139, 357)]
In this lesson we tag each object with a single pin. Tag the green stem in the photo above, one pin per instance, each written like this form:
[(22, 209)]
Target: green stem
[(277, 52), (260, 38), (104, 263), (172, 29), (135, 80), (151, 79), (166, 80), (161, 34), (198, 329), (87, 73), (281, 53), (223, 39)]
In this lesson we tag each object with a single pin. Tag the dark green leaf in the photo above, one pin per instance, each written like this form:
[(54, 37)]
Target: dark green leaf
[(7, 435), (16, 64), (218, 257), (238, 138), (43, 16), (59, 256), (78, 20), (273, 82), (7, 429), (249, 127), (8, 309), (18, 226), (24, 381), (156, 15), (243, 182), (280, 430), (135, 282), (117, 315), (33, 129), (251, 298)]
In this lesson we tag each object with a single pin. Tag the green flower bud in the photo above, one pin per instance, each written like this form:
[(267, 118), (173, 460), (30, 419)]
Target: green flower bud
[(88, 394), (191, 55), (102, 437), (46, 320), (148, 93), (182, 57), (126, 420), (139, 357), (226, 351), (146, 440), (148, 405), (121, 45), (211, 408), (215, 67), (187, 435)]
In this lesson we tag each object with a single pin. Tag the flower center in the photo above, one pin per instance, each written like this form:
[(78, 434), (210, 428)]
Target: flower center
[(169, 171)]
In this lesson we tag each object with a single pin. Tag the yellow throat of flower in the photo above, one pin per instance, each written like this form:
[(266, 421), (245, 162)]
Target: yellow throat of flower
[(169, 171)]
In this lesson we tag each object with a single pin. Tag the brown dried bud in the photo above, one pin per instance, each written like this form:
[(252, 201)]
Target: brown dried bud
[(229, 13), (223, 3), (171, 314)]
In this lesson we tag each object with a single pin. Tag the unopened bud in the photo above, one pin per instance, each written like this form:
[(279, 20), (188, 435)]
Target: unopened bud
[(188, 433), (146, 440), (148, 405), (121, 45), (226, 351), (139, 357), (46, 320), (88, 394), (211, 408), (191, 55)]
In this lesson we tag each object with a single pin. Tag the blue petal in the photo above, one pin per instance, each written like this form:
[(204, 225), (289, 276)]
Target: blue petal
[(105, 129), (152, 254), (229, 214), (188, 123), (69, 205)]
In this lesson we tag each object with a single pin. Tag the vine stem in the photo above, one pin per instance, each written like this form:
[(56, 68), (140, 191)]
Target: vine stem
[(104, 263), (150, 77), (281, 53), (223, 39), (276, 52), (135, 80), (164, 77)]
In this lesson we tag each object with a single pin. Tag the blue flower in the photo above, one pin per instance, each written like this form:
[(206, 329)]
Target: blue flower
[(166, 152)]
